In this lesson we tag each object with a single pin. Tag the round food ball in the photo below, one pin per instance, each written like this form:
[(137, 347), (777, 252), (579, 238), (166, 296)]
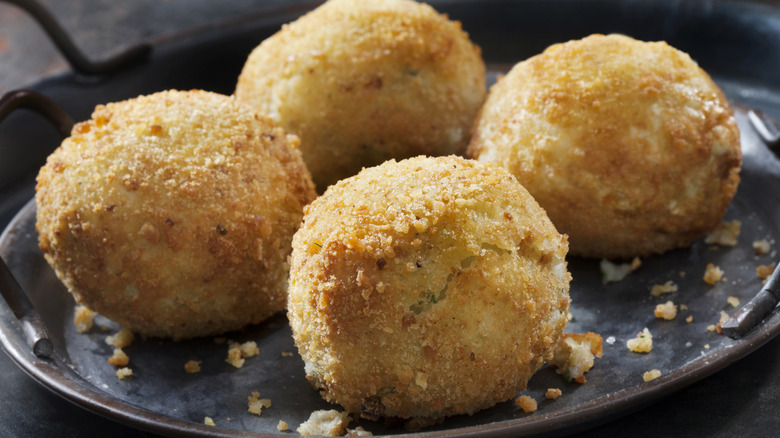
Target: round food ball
[(425, 288), (363, 81), (173, 214), (630, 147)]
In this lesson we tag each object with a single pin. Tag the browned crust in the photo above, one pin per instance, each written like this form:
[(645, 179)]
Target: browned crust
[(173, 213), (629, 146), (425, 288)]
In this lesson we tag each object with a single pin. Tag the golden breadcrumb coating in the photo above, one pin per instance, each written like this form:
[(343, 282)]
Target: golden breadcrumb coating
[(172, 214), (425, 288), (363, 81), (630, 147)]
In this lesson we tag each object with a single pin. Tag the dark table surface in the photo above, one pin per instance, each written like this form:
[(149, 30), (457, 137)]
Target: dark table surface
[(742, 400)]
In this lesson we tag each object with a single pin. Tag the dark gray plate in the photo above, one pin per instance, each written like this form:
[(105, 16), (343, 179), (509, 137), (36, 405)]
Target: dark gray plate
[(162, 398)]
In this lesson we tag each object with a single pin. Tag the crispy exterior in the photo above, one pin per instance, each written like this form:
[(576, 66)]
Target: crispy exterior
[(425, 288), (363, 81), (630, 147), (173, 213)]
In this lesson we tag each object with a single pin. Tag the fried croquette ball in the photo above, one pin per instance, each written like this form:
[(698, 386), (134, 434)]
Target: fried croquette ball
[(173, 214), (363, 81), (426, 288), (630, 146)]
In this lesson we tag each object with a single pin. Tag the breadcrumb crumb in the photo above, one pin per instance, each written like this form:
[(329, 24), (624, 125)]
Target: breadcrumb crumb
[(575, 353), (325, 423), (122, 339), (659, 289), (208, 421), (761, 247), (611, 272), (282, 426), (726, 234), (238, 352), (667, 311), (257, 404), (122, 373), (119, 358), (733, 301), (552, 393), (764, 271), (642, 343), (723, 317), (249, 349), (712, 274), (359, 431), (234, 357), (526, 403), (689, 319), (83, 318), (192, 366), (287, 354), (651, 375)]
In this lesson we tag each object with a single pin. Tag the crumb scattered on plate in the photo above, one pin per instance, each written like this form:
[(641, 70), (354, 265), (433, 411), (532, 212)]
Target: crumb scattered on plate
[(123, 373), (553, 393), (526, 403), (716, 327), (733, 301), (257, 404), (667, 311), (761, 247), (287, 354), (764, 271), (642, 343), (192, 366), (208, 421), (122, 339), (713, 274), (651, 375), (325, 423), (659, 289), (358, 431), (689, 319), (119, 358), (282, 426), (575, 353), (249, 349), (611, 272), (725, 234), (238, 352), (83, 318)]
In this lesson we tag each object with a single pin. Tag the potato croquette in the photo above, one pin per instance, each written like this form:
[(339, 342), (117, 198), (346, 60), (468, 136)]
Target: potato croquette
[(363, 81), (426, 288), (173, 214), (630, 146)]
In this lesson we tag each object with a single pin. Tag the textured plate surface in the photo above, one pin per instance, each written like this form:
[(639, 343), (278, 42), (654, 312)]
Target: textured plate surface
[(162, 398)]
